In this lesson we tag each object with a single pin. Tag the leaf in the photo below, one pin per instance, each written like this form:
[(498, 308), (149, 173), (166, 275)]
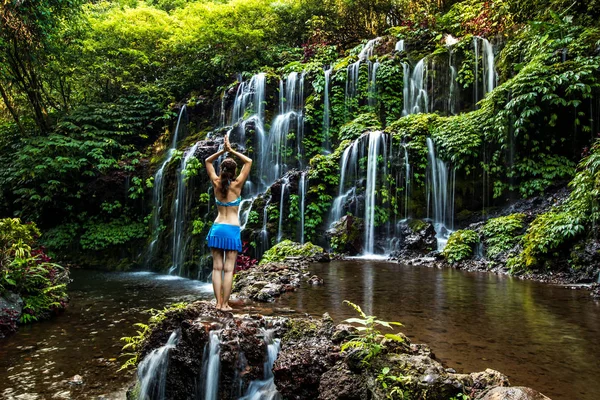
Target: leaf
[(356, 321)]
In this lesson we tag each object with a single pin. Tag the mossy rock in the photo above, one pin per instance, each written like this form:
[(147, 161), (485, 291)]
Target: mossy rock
[(287, 248), (417, 225)]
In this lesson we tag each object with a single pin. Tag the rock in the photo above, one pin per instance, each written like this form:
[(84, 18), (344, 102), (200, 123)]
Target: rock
[(315, 280), (346, 235), (11, 308), (342, 332), (340, 383), (76, 380), (417, 238), (512, 393)]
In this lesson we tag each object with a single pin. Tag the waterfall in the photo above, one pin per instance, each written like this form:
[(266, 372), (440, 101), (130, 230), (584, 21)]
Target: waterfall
[(352, 73), (406, 183), (452, 92), (349, 158), (179, 214), (302, 187), (489, 70), (399, 45), (373, 84), (415, 89), (158, 191), (250, 96), (490, 76), (211, 365), (152, 371), (265, 389), (326, 112), (440, 190), (273, 155), (376, 141), (263, 243), (284, 184)]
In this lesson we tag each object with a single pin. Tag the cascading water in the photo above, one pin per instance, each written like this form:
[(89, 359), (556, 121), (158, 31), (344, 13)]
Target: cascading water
[(399, 45), (373, 83), (326, 112), (452, 92), (263, 243), (406, 183), (352, 72), (152, 371), (349, 158), (440, 196), (273, 156), (490, 76), (302, 187), (265, 389), (211, 366), (415, 90), (284, 185), (158, 190), (179, 214), (377, 147)]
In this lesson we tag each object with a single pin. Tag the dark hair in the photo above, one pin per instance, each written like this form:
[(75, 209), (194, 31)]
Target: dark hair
[(228, 167)]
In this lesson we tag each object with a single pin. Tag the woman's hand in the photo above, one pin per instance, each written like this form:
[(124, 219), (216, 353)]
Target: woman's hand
[(227, 145)]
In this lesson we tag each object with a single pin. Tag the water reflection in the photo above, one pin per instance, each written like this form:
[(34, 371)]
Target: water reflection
[(539, 335)]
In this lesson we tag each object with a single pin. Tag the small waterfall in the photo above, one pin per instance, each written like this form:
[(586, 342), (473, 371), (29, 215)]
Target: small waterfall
[(326, 112), (265, 389), (349, 158), (399, 45), (490, 76), (376, 141), (273, 155), (302, 187), (453, 90), (373, 83), (211, 365), (352, 72), (415, 90), (263, 243), (284, 184), (152, 371), (158, 191), (244, 211), (406, 183), (179, 214), (440, 189)]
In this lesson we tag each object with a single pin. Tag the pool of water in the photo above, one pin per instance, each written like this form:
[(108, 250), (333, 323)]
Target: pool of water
[(39, 361), (542, 336), (539, 335)]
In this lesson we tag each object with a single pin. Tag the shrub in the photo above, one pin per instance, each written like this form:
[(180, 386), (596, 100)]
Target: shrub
[(287, 248), (502, 234), (460, 245)]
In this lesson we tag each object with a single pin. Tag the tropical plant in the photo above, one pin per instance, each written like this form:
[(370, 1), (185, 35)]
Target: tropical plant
[(369, 337)]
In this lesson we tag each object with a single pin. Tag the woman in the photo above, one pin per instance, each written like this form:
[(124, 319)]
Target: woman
[(224, 235)]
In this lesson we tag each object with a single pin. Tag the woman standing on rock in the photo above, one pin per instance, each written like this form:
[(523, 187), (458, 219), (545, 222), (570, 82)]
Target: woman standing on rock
[(224, 235)]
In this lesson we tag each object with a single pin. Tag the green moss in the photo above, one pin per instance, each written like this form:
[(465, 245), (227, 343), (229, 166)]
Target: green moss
[(417, 225), (502, 234), (287, 248), (366, 122), (460, 245), (299, 328)]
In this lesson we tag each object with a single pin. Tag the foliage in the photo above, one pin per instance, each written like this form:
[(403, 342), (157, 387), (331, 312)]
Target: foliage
[(502, 234), (243, 261), (361, 124), (388, 383), (101, 235), (287, 248), (460, 245), (368, 340), (26, 270)]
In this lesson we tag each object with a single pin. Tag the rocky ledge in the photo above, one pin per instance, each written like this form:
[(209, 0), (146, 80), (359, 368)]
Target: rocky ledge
[(297, 358), (268, 281)]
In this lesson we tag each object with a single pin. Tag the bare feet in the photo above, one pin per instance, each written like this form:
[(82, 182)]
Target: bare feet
[(219, 306), (226, 307)]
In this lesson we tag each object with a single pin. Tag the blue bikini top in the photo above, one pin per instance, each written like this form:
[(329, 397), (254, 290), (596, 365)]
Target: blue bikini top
[(233, 203)]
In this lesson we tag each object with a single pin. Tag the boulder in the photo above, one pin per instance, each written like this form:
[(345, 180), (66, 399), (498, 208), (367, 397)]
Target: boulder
[(346, 235)]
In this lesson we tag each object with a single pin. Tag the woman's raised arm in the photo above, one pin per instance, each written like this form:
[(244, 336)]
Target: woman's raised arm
[(210, 169)]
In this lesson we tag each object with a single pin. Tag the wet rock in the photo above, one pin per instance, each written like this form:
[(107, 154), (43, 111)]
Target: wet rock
[(341, 383), (342, 332), (11, 308), (346, 235), (75, 380), (512, 393), (268, 281), (416, 238), (596, 291)]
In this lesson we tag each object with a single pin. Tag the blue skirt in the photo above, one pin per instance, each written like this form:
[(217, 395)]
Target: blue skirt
[(225, 237)]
